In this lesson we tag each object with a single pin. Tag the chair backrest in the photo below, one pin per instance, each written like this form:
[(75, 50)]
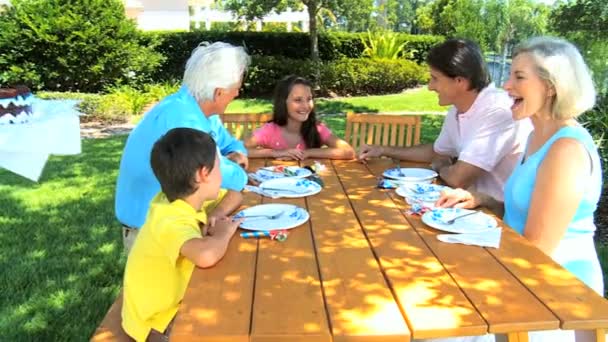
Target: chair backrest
[(382, 129), (241, 126)]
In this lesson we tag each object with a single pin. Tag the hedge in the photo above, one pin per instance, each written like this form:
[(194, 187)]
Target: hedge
[(177, 46), (72, 45)]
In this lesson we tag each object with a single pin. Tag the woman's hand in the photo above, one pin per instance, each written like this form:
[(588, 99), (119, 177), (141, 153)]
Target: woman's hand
[(457, 198), (288, 154)]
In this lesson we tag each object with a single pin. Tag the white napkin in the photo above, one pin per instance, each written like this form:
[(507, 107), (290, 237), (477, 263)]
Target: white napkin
[(484, 238), (259, 191)]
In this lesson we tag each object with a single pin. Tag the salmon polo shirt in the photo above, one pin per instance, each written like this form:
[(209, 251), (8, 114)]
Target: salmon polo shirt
[(485, 136), (156, 274)]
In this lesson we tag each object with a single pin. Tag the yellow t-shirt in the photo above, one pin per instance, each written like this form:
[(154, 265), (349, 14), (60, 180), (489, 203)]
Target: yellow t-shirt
[(156, 275)]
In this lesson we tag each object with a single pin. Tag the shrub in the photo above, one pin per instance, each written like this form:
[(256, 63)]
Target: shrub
[(371, 76), (265, 71), (72, 45), (382, 45), (342, 77), (116, 106), (596, 121), (177, 46)]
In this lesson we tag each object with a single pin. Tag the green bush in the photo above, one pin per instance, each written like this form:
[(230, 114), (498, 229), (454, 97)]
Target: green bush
[(72, 46), (265, 71), (177, 46), (382, 44), (342, 77), (596, 121), (118, 105), (371, 76)]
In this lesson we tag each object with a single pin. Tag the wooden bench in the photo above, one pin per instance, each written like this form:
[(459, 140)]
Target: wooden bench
[(110, 328), (382, 129), (242, 125)]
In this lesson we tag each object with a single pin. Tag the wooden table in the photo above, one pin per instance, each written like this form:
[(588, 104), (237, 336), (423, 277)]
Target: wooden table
[(363, 270)]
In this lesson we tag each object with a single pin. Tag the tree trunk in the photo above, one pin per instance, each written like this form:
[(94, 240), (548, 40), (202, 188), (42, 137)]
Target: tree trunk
[(312, 27)]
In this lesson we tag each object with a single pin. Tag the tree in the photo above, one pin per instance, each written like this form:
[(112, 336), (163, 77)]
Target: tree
[(585, 22), (354, 15), (402, 15), (257, 9)]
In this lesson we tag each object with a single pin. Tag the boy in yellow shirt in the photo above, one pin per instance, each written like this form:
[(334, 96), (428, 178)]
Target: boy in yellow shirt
[(187, 225)]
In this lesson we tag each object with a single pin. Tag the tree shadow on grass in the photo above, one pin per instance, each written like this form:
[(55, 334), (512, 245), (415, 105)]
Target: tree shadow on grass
[(61, 255)]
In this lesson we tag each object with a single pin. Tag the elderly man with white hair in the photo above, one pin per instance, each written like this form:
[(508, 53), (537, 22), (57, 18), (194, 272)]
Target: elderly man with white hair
[(212, 79)]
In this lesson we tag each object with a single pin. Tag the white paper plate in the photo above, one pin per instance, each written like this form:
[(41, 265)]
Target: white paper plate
[(291, 216), (290, 187), (410, 174), (468, 224)]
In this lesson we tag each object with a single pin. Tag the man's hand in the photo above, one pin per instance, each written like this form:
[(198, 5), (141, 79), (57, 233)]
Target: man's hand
[(369, 151), (439, 162), (457, 198), (239, 158), (288, 154)]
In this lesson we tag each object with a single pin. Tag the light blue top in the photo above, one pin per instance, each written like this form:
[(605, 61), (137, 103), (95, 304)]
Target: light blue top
[(137, 185), (518, 193)]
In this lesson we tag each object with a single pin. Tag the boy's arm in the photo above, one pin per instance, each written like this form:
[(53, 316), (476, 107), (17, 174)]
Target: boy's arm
[(231, 201), (206, 252)]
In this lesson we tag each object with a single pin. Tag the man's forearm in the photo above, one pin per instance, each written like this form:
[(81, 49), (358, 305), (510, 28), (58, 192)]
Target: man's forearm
[(419, 153)]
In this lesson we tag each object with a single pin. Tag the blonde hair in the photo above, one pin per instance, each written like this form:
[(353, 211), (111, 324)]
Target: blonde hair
[(212, 66), (559, 63)]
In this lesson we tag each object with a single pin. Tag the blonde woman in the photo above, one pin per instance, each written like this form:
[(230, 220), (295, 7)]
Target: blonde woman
[(552, 194)]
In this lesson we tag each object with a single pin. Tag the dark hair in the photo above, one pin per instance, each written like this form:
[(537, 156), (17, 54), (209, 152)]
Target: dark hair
[(279, 114), (177, 156), (460, 58)]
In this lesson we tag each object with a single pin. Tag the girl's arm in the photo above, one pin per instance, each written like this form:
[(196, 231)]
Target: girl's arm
[(254, 151), (336, 149), (559, 188)]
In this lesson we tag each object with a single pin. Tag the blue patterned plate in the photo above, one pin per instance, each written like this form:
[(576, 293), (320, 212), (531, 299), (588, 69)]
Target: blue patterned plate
[(439, 217), (290, 187), (410, 174), (273, 216), (422, 192), (275, 172)]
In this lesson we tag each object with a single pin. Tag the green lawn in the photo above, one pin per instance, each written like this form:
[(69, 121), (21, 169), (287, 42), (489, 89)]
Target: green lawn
[(61, 255), (418, 100)]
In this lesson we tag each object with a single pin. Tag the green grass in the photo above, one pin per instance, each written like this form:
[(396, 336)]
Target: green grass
[(417, 100), (61, 257)]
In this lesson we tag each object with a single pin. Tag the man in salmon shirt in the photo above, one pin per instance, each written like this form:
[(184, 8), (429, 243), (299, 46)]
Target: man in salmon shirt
[(480, 143)]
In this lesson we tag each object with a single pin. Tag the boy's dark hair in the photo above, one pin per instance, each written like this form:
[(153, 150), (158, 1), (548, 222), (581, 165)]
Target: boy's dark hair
[(460, 58), (279, 112), (177, 156)]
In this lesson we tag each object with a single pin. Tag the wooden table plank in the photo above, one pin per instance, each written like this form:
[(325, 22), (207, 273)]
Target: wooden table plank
[(217, 303), (576, 305), (288, 303), (481, 277), (433, 304), (360, 304)]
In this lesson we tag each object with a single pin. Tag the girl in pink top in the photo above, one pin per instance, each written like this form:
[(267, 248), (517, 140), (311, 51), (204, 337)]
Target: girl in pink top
[(294, 132)]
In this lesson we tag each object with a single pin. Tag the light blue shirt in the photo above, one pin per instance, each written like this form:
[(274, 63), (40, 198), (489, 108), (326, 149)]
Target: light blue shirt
[(576, 252), (137, 185)]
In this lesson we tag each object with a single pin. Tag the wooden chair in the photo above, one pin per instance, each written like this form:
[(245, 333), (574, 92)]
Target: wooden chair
[(110, 328), (242, 125), (382, 129)]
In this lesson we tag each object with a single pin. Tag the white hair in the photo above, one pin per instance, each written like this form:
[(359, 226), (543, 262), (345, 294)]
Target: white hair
[(212, 66), (560, 64)]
